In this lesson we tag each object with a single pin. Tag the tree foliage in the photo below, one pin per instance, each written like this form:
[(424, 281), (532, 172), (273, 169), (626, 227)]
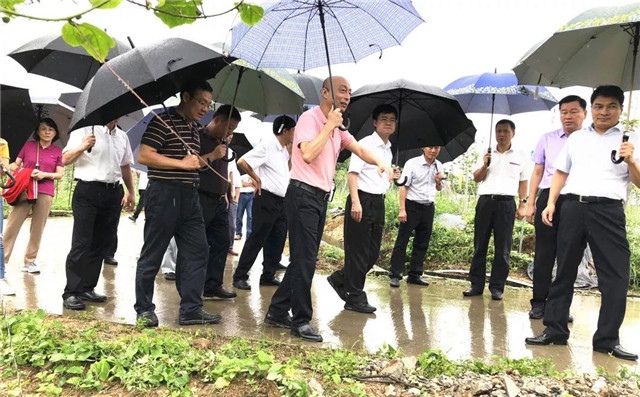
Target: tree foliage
[(97, 43)]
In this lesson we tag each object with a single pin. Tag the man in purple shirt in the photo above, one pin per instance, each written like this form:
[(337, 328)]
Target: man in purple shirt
[(573, 111)]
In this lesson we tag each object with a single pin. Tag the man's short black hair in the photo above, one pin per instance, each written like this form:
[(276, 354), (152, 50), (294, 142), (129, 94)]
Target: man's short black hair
[(608, 91), (223, 111), (507, 121), (282, 123), (573, 98), (385, 108), (194, 86)]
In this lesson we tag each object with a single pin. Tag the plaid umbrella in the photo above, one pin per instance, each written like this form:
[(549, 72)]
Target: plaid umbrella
[(295, 33)]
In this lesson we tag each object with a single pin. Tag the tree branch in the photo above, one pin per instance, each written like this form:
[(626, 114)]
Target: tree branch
[(67, 18), (203, 16)]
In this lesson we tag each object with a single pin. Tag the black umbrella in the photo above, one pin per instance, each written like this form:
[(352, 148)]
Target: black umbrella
[(310, 86), (155, 72), (427, 116), (240, 144), (52, 57), (17, 117)]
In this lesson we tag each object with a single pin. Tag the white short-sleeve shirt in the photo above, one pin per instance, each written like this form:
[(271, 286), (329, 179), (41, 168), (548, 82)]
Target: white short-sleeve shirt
[(421, 179), (270, 160), (111, 151), (505, 172), (586, 157), (369, 180)]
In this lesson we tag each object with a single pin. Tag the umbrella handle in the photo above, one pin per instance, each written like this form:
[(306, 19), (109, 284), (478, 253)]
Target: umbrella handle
[(625, 138), (345, 126), (404, 182), (12, 179), (228, 159)]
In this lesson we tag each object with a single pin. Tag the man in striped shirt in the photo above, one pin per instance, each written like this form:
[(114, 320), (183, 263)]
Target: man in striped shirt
[(168, 148)]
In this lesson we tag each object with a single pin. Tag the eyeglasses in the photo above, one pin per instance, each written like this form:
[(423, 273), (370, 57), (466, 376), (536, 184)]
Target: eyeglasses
[(204, 104)]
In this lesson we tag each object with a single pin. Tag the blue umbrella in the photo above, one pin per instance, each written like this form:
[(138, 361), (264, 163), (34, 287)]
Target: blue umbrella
[(499, 93), (295, 33)]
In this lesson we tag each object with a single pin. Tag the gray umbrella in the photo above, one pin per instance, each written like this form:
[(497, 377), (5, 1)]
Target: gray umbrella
[(310, 86), (155, 72), (52, 57)]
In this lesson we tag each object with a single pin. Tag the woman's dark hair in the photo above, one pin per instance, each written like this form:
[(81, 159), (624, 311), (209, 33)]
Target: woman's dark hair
[(49, 122), (282, 123)]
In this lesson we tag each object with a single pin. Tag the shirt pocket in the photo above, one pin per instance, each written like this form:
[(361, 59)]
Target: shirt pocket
[(514, 170)]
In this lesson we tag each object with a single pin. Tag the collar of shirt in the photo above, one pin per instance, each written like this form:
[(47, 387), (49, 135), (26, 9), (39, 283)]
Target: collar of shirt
[(506, 151), (379, 142), (561, 134), (615, 129)]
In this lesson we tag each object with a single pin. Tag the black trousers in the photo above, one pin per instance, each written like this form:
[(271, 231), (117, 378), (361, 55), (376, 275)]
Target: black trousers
[(420, 219), (216, 223), (306, 214), (603, 227), (361, 246), (498, 217), (113, 245), (96, 211), (268, 233), (172, 210), (545, 250), (141, 193)]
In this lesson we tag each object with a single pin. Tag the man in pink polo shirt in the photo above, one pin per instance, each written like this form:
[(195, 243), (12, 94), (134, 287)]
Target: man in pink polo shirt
[(316, 145)]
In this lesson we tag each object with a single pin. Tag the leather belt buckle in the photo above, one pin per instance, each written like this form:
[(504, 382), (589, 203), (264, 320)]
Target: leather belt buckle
[(580, 200)]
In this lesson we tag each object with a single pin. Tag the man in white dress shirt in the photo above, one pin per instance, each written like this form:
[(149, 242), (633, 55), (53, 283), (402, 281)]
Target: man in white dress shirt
[(417, 208), (364, 213), (502, 176), (268, 164), (102, 155), (595, 189)]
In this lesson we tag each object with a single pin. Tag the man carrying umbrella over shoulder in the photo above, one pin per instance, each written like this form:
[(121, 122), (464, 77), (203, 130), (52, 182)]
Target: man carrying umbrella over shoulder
[(316, 146), (101, 159), (173, 207), (596, 188), (502, 175), (573, 111), (364, 219), (214, 197), (417, 209)]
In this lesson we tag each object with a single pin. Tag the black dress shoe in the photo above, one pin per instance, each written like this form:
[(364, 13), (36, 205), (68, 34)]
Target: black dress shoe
[(536, 313), (110, 261), (617, 351), (472, 292), (170, 276), (395, 282), (199, 318), (339, 290), (149, 319), (417, 281), (242, 284), (570, 319), (278, 321), (91, 296), (545, 339), (281, 267), (272, 282), (496, 295), (73, 303), (221, 293), (306, 332), (364, 307)]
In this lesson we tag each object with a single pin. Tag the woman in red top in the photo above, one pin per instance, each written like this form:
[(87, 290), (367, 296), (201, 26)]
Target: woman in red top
[(46, 160)]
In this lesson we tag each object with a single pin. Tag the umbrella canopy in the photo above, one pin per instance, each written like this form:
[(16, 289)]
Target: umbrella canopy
[(499, 93), (310, 86), (17, 117), (427, 116), (155, 72), (265, 91), (596, 47), (52, 57)]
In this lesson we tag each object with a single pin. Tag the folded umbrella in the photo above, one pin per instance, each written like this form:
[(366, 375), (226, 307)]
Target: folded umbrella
[(155, 72)]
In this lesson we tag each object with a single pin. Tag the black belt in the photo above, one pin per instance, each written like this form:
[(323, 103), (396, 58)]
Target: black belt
[(593, 199), (214, 196), (247, 193), (378, 195), (417, 203), (176, 183), (107, 185), (498, 197), (321, 194)]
